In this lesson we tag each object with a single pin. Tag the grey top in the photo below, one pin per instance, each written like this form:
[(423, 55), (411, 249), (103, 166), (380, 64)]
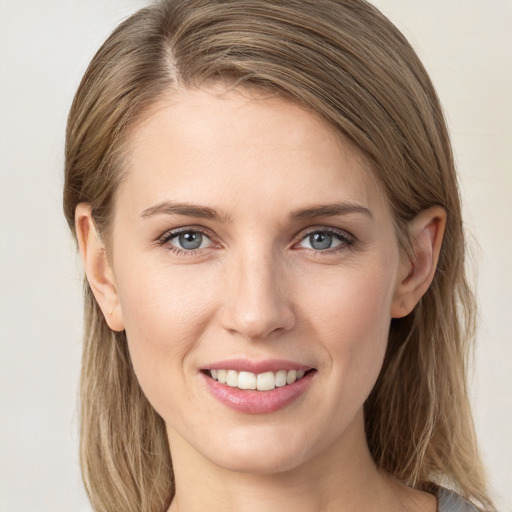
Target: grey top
[(449, 501)]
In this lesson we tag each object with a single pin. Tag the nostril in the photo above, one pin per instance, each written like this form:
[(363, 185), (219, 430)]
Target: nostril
[(255, 306)]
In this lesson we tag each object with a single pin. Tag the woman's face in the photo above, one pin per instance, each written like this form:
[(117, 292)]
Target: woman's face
[(248, 237)]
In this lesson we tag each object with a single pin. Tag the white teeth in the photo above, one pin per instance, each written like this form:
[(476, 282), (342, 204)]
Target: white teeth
[(266, 381), (247, 380), (281, 378), (232, 378), (291, 377), (262, 382)]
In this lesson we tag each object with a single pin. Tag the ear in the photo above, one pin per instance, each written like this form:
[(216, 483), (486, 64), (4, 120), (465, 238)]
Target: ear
[(97, 267), (415, 274)]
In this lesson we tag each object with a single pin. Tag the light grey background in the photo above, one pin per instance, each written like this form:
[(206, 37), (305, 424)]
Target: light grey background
[(44, 49)]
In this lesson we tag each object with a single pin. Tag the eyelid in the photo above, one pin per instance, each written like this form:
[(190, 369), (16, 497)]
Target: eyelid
[(170, 233), (344, 235), (164, 239)]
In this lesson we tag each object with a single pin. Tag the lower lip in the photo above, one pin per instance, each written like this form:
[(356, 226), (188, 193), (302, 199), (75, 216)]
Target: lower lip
[(258, 402)]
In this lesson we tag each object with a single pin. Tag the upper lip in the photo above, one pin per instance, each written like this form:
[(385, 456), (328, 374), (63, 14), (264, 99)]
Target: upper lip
[(246, 365)]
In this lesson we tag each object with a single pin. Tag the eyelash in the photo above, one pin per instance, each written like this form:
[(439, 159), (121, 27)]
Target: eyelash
[(347, 240), (164, 240)]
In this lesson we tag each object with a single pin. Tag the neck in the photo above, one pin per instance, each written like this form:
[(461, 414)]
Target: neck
[(342, 477)]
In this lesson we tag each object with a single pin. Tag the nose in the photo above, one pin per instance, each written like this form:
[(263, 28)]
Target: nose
[(257, 298)]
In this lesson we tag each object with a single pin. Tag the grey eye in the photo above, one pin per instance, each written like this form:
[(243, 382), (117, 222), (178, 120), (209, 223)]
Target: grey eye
[(189, 240), (320, 241), (323, 240)]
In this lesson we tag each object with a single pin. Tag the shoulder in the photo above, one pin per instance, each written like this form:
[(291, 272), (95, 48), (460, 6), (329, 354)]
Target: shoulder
[(450, 501)]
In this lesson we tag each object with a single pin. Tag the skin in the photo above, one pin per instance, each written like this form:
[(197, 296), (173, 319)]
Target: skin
[(257, 289)]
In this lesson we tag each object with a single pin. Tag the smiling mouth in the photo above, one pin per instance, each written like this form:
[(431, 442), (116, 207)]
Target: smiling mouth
[(266, 381)]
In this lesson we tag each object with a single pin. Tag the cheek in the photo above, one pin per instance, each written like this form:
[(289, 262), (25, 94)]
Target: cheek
[(165, 313), (351, 320)]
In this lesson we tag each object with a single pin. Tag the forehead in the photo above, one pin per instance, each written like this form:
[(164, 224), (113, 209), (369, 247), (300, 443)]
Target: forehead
[(211, 146)]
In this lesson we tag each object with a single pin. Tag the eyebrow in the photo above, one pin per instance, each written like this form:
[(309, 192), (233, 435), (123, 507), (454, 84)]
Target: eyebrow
[(203, 212), (190, 210), (329, 210)]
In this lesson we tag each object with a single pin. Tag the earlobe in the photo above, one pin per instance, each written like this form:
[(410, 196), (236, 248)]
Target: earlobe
[(415, 275), (97, 267)]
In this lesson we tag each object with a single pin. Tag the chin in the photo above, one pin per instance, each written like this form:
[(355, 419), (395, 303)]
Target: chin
[(259, 463), (259, 452)]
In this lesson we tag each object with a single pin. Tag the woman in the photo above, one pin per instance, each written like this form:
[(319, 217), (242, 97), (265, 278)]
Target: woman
[(277, 314)]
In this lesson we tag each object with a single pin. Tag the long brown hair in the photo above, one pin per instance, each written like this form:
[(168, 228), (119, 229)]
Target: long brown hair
[(344, 61)]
